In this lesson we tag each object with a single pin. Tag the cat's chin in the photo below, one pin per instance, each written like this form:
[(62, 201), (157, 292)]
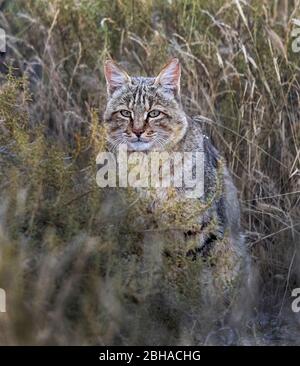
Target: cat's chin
[(139, 146)]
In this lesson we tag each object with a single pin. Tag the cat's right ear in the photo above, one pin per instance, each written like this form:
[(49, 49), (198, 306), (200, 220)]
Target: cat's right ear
[(115, 76)]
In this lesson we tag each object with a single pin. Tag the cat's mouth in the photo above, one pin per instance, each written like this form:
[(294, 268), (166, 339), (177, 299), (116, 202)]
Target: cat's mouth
[(139, 145)]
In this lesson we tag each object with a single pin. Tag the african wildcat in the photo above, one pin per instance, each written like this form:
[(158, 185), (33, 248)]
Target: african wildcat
[(146, 114)]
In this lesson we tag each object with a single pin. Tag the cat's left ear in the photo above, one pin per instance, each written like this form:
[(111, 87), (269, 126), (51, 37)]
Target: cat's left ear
[(115, 76), (169, 77)]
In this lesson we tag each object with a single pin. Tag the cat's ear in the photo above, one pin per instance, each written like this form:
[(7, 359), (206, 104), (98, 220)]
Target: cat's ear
[(169, 77), (115, 76)]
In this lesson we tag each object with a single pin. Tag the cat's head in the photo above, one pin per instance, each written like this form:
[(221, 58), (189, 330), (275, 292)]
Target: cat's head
[(144, 113)]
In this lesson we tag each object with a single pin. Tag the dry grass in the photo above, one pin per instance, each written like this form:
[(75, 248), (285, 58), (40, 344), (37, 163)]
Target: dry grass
[(64, 249)]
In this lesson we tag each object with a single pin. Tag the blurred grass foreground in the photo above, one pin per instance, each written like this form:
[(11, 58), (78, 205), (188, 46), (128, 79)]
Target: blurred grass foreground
[(76, 268)]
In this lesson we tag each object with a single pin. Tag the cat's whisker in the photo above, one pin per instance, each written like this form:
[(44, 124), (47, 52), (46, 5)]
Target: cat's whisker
[(160, 142), (118, 140)]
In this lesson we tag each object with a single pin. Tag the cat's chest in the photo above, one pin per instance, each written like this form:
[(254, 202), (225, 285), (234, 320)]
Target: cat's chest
[(170, 208)]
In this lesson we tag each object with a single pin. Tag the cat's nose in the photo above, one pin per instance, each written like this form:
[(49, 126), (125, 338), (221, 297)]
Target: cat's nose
[(137, 132)]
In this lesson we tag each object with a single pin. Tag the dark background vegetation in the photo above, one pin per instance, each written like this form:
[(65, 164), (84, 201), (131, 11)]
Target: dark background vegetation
[(63, 245)]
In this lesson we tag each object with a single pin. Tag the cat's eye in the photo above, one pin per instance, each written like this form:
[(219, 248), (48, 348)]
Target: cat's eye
[(125, 113), (154, 113)]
